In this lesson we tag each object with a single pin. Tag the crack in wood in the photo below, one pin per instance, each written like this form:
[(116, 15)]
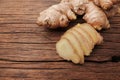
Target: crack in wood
[(33, 68), (8, 60), (113, 59), (51, 42), (116, 59), (45, 31)]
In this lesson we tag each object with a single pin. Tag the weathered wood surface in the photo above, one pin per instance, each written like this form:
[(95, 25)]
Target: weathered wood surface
[(27, 51)]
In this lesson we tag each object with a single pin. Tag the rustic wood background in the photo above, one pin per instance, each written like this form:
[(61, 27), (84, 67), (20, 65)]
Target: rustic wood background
[(27, 51)]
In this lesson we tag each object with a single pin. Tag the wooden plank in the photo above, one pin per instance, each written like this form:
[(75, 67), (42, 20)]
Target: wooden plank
[(31, 19), (50, 45), (59, 65), (29, 55), (21, 28), (20, 19), (33, 54), (25, 7), (111, 37), (44, 37), (30, 37), (105, 71), (34, 28), (27, 51), (16, 78)]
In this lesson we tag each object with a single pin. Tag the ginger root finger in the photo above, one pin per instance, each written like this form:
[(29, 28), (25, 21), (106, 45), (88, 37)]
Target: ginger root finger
[(105, 4), (56, 16), (74, 43), (113, 11), (96, 17), (93, 14), (78, 6)]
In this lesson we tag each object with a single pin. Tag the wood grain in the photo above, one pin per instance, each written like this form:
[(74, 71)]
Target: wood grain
[(27, 51)]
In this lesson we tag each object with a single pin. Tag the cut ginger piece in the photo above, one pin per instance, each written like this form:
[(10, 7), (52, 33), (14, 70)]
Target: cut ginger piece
[(74, 45), (82, 42), (85, 35), (95, 36), (66, 51)]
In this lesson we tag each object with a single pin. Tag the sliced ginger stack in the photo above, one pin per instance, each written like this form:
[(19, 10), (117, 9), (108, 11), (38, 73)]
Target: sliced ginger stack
[(78, 42)]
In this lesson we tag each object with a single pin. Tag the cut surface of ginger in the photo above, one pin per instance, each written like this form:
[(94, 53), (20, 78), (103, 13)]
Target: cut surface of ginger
[(66, 51), (92, 32), (82, 42), (75, 43), (86, 36)]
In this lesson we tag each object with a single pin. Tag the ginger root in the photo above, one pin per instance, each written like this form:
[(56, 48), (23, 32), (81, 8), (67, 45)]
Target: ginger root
[(96, 17), (56, 16), (60, 15), (78, 42), (94, 11), (113, 11), (105, 4)]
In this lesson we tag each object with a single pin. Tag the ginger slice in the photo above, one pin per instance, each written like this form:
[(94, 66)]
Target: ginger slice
[(82, 42), (77, 43), (66, 51), (97, 39), (85, 35)]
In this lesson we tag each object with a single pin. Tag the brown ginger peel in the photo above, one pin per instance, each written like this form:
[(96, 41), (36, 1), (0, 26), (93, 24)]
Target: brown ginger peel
[(60, 15), (56, 16)]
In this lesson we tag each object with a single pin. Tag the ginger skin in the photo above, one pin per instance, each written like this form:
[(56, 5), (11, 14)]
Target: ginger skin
[(113, 11), (56, 16), (96, 17), (94, 11), (99, 11), (78, 42), (105, 4)]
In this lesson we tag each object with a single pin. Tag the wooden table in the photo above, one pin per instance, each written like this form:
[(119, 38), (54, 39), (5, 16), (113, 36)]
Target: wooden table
[(27, 51)]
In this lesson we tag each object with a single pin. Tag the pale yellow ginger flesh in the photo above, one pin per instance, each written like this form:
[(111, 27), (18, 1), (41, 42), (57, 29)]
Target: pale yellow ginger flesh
[(78, 42), (67, 52)]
